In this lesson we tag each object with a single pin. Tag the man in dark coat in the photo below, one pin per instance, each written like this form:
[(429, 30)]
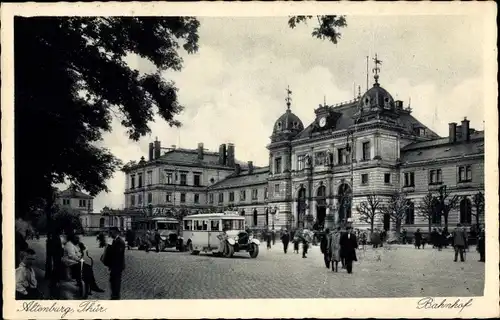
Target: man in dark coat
[(481, 245), (285, 238), (418, 239), (325, 248), (459, 242), (157, 240), (116, 262), (348, 246)]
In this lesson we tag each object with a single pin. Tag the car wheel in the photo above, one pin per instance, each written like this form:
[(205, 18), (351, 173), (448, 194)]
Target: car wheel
[(229, 251), (254, 251)]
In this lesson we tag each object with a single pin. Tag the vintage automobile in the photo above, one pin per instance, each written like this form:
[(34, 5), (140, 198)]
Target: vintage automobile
[(168, 228), (203, 233)]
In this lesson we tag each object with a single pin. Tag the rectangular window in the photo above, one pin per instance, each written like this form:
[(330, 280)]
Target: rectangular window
[(277, 165), (301, 162), (409, 179), (221, 197), (150, 197), (435, 176), (387, 178), (277, 188), (188, 225), (139, 199), (168, 197), (343, 157), (364, 178), (149, 178), (132, 181), (231, 196), (243, 195), (197, 179), (66, 202), (266, 193), (132, 200), (464, 173), (214, 225), (196, 198), (169, 177), (82, 203), (320, 158), (211, 198), (366, 151), (139, 182), (183, 197), (255, 194), (183, 179)]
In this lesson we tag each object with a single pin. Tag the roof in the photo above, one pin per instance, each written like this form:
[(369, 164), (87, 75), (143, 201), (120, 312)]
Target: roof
[(288, 121), (345, 120), (440, 149), (72, 193), (227, 214), (259, 176)]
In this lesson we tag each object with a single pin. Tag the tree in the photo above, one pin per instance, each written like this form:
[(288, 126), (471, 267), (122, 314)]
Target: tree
[(396, 208), (478, 205), (446, 204), (426, 209), (77, 83), (328, 26), (369, 210)]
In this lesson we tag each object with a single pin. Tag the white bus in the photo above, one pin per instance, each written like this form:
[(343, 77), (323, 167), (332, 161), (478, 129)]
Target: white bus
[(202, 232)]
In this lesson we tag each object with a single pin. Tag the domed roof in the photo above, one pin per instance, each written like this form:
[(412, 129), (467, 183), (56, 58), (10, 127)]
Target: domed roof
[(376, 98), (288, 122)]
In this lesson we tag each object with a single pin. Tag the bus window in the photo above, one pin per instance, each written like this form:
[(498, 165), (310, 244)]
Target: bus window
[(188, 224), (233, 224), (198, 225), (205, 225), (214, 225), (171, 226)]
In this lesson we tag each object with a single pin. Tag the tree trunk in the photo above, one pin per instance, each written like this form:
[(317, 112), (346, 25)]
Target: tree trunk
[(398, 228), (429, 226), (445, 219), (372, 222)]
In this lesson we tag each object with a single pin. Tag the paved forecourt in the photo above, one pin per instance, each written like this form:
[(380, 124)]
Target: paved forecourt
[(400, 271)]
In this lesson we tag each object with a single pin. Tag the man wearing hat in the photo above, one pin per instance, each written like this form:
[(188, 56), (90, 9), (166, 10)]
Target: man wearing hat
[(115, 257)]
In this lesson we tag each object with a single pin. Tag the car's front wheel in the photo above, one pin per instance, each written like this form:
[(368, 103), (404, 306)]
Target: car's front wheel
[(254, 250), (228, 251)]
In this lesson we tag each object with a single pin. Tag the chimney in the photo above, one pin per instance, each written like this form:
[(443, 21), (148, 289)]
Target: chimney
[(465, 130), (151, 151), (237, 168), (452, 132), (230, 155), (250, 167), (200, 151), (222, 154), (157, 147)]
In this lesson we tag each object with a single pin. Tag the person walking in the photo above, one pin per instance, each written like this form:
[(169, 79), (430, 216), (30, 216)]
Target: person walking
[(157, 240), (285, 238), (306, 239), (434, 238), (439, 239), (418, 239), (268, 238), (335, 249), (459, 242), (348, 246), (375, 238), (363, 239), (481, 245), (296, 242), (324, 247)]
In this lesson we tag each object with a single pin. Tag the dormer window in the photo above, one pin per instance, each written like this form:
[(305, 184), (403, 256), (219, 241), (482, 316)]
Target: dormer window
[(279, 125), (295, 125)]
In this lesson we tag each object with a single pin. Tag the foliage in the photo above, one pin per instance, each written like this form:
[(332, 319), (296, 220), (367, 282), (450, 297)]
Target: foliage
[(426, 209), (396, 208), (328, 26), (63, 219), (446, 204), (71, 79), (369, 210), (478, 205)]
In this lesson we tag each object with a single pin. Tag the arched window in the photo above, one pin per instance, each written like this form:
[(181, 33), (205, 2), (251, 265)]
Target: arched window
[(122, 222), (255, 217), (243, 212), (465, 211), (410, 213), (101, 223)]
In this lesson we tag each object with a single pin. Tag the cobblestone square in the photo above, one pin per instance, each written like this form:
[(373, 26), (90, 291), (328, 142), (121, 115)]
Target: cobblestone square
[(395, 271)]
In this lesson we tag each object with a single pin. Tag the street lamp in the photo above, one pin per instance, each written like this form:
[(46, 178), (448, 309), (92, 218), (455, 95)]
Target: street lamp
[(273, 213)]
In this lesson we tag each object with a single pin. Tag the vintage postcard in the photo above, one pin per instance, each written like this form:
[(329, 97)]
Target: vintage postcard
[(249, 160)]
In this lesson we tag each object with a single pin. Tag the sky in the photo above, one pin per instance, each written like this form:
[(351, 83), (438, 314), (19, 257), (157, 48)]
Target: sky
[(233, 88)]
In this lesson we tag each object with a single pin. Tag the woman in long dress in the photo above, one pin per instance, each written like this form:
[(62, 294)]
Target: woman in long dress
[(335, 249)]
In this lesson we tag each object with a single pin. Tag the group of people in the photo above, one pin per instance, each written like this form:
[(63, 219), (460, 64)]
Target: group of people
[(339, 246), (72, 273)]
